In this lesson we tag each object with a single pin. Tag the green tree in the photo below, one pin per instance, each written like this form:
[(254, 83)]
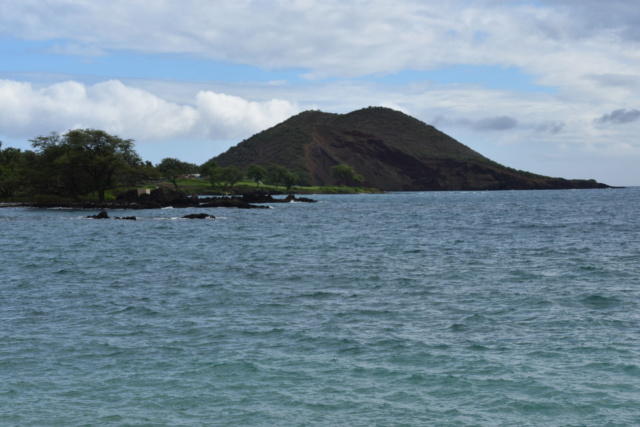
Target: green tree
[(146, 172), (210, 171), (85, 160), (346, 175), (12, 170), (228, 177), (289, 180), (172, 169), (277, 174), (256, 173), (52, 173)]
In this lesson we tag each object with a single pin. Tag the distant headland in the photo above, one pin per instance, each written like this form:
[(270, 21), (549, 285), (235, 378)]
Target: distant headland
[(369, 150), (389, 149)]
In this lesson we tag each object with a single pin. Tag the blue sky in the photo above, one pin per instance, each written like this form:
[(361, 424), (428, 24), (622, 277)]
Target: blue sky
[(22, 57), (544, 86)]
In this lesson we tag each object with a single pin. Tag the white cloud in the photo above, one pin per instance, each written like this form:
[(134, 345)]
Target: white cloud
[(330, 38), (26, 111), (226, 116)]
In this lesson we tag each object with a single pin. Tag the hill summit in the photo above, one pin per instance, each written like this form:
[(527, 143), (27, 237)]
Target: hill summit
[(391, 150)]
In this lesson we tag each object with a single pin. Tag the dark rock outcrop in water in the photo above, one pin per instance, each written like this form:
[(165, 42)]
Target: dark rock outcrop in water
[(101, 215), (105, 215), (162, 198), (391, 150), (159, 198), (264, 197), (199, 216), (292, 198)]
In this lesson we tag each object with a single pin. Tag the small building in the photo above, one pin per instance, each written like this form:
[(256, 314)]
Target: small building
[(142, 191)]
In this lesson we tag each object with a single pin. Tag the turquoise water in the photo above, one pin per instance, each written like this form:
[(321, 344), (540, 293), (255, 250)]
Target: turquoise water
[(444, 309)]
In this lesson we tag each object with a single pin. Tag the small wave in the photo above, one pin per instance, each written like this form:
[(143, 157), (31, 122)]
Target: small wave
[(234, 367), (600, 302), (137, 310), (364, 312), (458, 327), (318, 295), (414, 251), (628, 369), (478, 347), (543, 303), (476, 318)]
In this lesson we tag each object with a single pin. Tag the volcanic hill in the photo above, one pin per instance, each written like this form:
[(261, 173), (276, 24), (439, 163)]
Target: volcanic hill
[(391, 150)]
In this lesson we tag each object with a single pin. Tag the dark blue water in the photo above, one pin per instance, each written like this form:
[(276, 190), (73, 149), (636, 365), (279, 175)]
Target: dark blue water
[(445, 309)]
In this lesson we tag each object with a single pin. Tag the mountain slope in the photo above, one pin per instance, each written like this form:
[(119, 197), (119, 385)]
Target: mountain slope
[(391, 150)]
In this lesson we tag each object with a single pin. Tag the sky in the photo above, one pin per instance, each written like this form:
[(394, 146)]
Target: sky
[(546, 86)]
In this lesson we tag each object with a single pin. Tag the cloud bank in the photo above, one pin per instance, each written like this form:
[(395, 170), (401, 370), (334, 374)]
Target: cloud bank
[(350, 38), (620, 117), (496, 123), (26, 111)]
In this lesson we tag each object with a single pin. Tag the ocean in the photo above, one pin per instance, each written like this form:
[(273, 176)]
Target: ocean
[(511, 308)]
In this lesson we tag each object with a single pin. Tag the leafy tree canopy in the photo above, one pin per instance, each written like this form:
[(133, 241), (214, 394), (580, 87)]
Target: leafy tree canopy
[(172, 169), (209, 170), (228, 177), (256, 173), (12, 162), (290, 179), (277, 174), (83, 161), (346, 175), (223, 178)]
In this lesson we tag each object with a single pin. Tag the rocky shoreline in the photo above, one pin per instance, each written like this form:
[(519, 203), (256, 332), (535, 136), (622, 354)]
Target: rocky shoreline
[(163, 198)]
